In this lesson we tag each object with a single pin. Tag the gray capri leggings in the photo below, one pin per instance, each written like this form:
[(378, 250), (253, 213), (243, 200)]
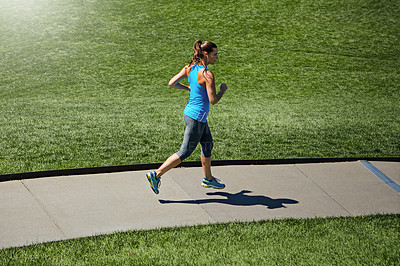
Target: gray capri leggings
[(195, 132)]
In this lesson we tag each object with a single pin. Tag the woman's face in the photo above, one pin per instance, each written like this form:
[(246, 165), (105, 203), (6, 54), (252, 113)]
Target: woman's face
[(213, 56)]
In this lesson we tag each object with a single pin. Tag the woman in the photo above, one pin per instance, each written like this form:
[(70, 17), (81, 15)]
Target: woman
[(202, 93)]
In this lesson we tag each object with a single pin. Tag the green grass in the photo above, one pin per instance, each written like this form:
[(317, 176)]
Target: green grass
[(84, 84), (368, 240)]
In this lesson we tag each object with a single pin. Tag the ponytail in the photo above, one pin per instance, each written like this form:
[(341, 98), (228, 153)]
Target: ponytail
[(199, 48), (197, 52)]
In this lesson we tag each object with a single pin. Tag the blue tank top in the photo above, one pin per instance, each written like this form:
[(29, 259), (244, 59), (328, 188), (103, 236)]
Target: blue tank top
[(198, 105)]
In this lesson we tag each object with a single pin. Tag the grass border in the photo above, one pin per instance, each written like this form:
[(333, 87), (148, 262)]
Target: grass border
[(139, 167)]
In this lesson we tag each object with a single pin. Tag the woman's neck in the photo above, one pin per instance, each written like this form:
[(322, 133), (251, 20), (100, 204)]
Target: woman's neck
[(202, 63)]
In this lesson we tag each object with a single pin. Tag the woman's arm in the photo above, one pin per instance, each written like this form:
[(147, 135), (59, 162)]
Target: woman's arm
[(175, 81), (213, 96)]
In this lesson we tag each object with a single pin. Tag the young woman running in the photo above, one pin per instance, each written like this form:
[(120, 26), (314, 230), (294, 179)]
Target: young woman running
[(202, 93)]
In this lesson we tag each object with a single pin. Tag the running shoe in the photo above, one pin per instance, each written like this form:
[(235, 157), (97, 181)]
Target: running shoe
[(154, 181), (214, 183)]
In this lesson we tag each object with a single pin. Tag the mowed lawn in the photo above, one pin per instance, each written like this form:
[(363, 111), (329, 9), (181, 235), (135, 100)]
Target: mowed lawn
[(368, 240), (85, 83)]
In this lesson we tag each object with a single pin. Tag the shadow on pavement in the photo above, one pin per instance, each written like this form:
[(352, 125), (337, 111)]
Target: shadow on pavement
[(237, 199)]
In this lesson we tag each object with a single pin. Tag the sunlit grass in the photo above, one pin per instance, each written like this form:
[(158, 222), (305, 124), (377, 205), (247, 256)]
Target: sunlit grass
[(371, 240), (85, 83)]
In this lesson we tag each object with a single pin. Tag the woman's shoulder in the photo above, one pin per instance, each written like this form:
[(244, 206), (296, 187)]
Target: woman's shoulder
[(187, 69), (206, 71), (204, 75)]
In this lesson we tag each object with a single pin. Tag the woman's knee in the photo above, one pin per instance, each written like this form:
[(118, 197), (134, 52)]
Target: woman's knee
[(186, 150)]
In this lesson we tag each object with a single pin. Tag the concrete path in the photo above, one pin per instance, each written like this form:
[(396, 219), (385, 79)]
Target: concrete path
[(57, 208)]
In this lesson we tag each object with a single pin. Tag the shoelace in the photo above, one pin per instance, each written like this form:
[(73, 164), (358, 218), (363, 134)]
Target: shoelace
[(216, 179)]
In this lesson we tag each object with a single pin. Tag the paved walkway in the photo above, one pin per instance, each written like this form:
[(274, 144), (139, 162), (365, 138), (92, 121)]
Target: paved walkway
[(56, 208)]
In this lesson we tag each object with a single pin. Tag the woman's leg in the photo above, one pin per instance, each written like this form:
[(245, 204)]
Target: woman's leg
[(173, 161), (193, 132), (206, 148), (206, 163)]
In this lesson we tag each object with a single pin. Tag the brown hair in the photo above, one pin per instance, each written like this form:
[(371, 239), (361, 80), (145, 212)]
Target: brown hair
[(199, 48)]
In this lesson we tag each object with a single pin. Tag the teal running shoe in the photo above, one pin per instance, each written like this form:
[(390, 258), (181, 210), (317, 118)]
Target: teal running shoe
[(214, 183), (154, 182)]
